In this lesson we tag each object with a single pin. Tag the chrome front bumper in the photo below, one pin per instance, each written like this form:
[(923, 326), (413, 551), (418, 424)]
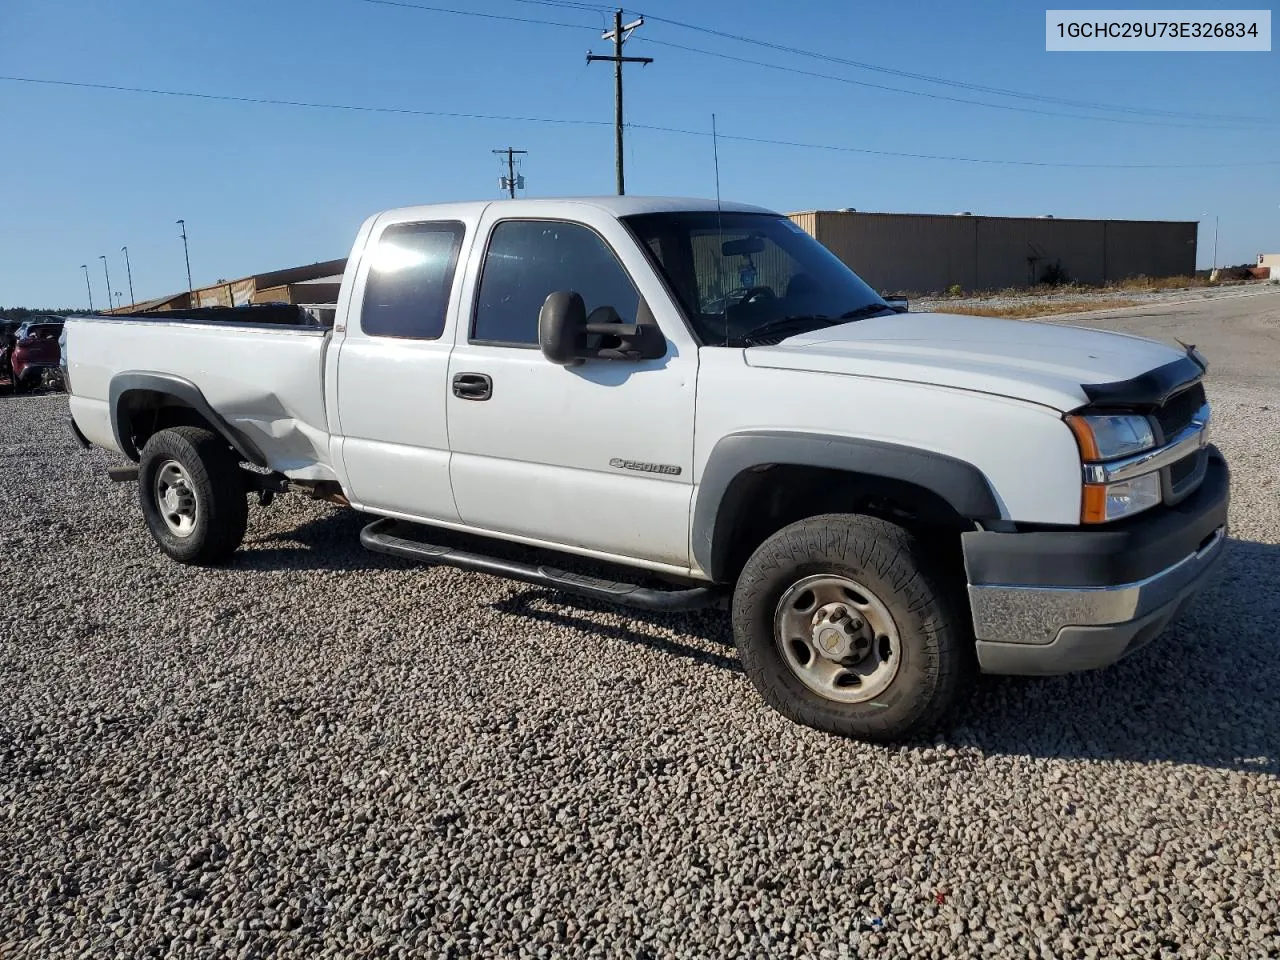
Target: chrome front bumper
[(1034, 630), (1057, 601)]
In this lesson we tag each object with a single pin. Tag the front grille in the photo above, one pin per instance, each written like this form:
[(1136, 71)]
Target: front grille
[(1178, 411), (1182, 478)]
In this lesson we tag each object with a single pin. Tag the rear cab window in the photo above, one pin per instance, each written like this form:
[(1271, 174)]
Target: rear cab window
[(411, 270)]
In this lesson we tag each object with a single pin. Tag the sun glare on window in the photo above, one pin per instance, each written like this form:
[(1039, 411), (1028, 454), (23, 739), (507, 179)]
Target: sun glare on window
[(392, 258)]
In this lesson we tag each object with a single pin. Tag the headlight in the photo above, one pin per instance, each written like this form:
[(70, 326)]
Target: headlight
[(1111, 501), (1106, 436)]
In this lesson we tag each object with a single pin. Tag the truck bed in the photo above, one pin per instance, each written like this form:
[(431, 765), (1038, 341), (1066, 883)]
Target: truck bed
[(266, 379)]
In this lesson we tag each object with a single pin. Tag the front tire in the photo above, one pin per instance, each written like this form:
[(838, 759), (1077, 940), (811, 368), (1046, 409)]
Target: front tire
[(844, 623), (193, 495)]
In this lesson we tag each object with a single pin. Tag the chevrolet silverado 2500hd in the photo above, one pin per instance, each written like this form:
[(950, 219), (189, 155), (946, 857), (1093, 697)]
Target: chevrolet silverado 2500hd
[(706, 395)]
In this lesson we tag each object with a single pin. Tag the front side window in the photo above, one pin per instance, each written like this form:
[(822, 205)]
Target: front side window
[(528, 260), (745, 278), (411, 271)]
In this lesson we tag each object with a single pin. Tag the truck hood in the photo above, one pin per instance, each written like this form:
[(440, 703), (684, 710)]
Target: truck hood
[(1045, 363)]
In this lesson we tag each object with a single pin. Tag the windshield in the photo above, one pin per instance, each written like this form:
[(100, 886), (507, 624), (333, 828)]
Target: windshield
[(746, 278), (42, 331)]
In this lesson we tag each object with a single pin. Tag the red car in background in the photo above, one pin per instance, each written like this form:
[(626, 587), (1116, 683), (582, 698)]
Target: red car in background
[(35, 352)]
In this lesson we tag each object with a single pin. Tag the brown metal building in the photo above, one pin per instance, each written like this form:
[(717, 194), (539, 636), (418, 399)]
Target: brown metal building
[(927, 253), (313, 284)]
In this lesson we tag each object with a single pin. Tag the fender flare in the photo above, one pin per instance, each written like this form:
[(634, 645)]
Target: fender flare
[(960, 484), (166, 384)]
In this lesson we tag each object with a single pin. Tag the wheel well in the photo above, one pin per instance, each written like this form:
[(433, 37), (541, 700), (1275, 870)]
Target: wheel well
[(141, 414), (760, 502)]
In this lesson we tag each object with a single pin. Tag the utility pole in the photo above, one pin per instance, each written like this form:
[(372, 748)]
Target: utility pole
[(129, 270), (1215, 243), (183, 224), (87, 285), (619, 35), (107, 274), (511, 181)]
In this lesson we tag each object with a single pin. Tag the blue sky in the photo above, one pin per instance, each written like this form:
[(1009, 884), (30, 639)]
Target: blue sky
[(85, 171)]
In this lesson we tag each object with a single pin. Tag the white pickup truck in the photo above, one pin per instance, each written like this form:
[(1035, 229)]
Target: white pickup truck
[(704, 395)]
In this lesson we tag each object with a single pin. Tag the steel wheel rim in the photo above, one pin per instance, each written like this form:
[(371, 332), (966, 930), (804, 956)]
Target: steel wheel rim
[(175, 499), (847, 659)]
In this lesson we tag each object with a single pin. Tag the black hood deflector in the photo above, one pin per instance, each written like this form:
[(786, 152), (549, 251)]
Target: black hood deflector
[(1149, 389)]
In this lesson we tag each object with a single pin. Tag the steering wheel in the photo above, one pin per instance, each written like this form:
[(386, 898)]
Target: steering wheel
[(756, 294)]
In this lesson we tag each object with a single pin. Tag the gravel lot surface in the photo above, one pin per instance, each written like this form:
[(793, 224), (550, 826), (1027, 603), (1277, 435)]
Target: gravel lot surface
[(1144, 297), (321, 752)]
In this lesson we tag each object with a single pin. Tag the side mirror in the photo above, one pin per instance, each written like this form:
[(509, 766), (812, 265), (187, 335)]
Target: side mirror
[(562, 327), (567, 336)]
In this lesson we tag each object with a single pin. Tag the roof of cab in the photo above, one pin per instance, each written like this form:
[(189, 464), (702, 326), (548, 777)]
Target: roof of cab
[(623, 206)]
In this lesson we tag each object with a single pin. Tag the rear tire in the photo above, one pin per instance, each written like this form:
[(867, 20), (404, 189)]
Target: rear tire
[(844, 623), (193, 495)]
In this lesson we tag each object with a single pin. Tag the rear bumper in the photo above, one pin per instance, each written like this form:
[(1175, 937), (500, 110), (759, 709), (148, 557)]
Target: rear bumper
[(1083, 599), (23, 369)]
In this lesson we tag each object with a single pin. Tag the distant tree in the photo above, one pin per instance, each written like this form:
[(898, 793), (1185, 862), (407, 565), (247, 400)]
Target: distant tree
[(22, 314)]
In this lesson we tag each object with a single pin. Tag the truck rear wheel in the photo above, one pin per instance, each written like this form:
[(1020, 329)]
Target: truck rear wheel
[(192, 494), (844, 624)]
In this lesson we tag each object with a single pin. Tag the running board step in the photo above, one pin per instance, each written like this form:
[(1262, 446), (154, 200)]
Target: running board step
[(380, 536)]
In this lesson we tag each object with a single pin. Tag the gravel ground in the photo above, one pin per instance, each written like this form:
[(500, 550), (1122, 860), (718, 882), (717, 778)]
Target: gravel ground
[(321, 752), (1085, 295)]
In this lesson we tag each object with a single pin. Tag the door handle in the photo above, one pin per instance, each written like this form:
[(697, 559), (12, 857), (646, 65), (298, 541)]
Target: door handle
[(473, 386)]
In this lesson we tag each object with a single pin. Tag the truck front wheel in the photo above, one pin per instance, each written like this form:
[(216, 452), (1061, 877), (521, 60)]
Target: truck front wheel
[(844, 624), (192, 494)]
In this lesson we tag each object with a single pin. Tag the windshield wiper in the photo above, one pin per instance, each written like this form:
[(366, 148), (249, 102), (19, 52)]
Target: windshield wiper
[(785, 323), (866, 310)]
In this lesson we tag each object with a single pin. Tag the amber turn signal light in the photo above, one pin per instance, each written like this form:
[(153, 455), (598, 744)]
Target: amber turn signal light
[(1084, 437), (1093, 503)]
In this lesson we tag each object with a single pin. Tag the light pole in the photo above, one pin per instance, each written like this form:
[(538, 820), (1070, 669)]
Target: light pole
[(87, 285), (185, 253), (1213, 274), (129, 270), (107, 273), (119, 299)]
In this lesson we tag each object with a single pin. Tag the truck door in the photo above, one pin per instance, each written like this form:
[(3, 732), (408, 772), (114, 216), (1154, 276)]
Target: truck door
[(392, 369), (598, 455)]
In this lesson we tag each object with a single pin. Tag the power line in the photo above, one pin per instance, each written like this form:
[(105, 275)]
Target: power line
[(907, 74), (1214, 121), (476, 13), (364, 108), (358, 108), (570, 5), (925, 93), (998, 91), (957, 159)]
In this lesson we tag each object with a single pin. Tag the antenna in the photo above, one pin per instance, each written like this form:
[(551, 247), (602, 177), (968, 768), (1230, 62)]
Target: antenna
[(715, 152), (724, 292)]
